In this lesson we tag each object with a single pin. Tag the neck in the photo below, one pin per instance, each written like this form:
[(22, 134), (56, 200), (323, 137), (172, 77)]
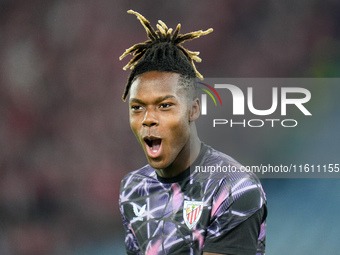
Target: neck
[(186, 157)]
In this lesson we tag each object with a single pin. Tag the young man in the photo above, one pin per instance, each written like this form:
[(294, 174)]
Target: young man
[(167, 206)]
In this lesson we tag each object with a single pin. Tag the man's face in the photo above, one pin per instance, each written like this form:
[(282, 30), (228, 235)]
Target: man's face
[(159, 117)]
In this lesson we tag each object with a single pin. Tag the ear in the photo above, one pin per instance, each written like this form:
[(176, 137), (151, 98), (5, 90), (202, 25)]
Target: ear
[(195, 109)]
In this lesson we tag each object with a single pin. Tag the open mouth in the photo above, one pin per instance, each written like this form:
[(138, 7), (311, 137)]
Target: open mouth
[(153, 146)]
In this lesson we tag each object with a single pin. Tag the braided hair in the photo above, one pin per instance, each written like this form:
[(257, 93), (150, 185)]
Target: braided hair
[(162, 52)]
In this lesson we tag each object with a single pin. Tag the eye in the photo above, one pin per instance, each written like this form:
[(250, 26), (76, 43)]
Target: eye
[(164, 105), (136, 107)]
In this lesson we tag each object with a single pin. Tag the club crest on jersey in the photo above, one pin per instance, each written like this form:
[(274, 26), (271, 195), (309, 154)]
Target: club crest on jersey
[(192, 211), (138, 213)]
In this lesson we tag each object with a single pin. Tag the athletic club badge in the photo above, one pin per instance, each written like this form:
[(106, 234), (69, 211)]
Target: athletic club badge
[(192, 211)]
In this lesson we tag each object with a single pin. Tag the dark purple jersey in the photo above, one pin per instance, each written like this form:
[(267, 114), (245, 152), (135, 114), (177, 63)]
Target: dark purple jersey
[(212, 206)]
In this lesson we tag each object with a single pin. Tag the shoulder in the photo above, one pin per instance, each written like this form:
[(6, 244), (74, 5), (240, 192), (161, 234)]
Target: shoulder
[(142, 174), (221, 157), (231, 179), (136, 184), (219, 165)]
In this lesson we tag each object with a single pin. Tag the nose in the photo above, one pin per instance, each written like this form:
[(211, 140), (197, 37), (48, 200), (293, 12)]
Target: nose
[(150, 119)]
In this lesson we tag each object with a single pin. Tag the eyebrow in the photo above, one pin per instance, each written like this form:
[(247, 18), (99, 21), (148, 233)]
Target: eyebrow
[(157, 100)]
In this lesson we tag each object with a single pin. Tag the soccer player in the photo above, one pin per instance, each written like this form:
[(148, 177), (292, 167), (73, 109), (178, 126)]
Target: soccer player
[(172, 205)]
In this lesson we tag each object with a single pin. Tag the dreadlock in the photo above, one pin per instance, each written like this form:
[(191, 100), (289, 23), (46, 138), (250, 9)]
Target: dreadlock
[(162, 52)]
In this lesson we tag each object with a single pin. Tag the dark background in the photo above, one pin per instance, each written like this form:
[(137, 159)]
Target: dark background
[(65, 141)]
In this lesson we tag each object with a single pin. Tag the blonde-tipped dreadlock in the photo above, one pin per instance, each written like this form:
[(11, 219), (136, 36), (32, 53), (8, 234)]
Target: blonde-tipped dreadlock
[(162, 52)]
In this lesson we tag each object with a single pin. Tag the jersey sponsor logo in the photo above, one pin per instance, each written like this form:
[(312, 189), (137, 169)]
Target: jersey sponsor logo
[(138, 213), (192, 211)]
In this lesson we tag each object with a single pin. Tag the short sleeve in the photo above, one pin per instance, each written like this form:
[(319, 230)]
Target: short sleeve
[(237, 224), (131, 244)]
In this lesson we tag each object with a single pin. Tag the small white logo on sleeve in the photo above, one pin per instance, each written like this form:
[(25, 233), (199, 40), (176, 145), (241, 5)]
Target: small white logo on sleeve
[(139, 213)]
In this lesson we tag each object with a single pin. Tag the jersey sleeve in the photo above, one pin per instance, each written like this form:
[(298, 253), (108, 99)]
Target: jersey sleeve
[(237, 224), (131, 244)]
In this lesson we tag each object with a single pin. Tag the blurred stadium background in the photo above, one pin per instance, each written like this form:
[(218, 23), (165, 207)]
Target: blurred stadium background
[(65, 141)]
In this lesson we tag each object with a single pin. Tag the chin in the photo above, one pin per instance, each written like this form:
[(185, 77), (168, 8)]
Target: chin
[(157, 164)]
